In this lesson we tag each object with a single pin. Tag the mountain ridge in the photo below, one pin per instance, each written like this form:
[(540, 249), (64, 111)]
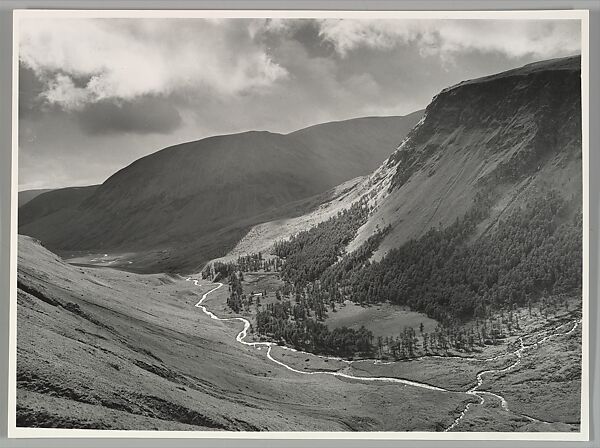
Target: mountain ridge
[(53, 200)]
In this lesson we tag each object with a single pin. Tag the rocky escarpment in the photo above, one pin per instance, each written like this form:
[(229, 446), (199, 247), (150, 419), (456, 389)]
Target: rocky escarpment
[(520, 119), (515, 132)]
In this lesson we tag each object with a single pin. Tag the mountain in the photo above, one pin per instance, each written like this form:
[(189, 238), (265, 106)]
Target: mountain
[(517, 132), (48, 202), (186, 204), (28, 195)]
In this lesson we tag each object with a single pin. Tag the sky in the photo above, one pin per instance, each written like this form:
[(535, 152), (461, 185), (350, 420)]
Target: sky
[(97, 94)]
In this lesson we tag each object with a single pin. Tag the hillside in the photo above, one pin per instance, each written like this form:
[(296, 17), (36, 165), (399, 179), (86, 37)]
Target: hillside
[(48, 202), (515, 133), (191, 202), (27, 195)]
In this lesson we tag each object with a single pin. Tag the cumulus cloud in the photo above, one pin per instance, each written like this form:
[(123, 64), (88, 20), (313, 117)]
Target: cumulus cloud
[(514, 38), (62, 90), (126, 59)]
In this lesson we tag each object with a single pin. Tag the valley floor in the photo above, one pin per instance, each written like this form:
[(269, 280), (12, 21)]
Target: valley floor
[(105, 349)]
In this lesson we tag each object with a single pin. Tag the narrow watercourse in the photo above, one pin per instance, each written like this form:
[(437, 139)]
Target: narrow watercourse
[(472, 391)]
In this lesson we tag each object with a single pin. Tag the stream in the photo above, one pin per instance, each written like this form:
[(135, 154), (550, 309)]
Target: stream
[(472, 391)]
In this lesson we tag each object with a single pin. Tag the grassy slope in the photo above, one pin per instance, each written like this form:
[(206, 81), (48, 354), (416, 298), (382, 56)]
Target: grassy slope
[(545, 385), (100, 348)]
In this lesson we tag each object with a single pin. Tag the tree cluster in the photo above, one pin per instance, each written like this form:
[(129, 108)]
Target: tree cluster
[(280, 322), (309, 253), (534, 251), (256, 262), (452, 274)]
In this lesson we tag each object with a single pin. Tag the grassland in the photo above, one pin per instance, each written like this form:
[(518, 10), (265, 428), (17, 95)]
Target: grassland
[(546, 384), (382, 319)]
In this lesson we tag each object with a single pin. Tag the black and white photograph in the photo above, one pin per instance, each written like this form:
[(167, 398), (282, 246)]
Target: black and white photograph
[(292, 223)]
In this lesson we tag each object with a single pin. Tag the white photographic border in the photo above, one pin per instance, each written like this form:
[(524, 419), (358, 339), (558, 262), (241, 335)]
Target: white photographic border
[(581, 15)]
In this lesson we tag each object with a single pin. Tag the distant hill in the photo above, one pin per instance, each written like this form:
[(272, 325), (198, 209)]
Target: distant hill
[(28, 195), (192, 202), (48, 202)]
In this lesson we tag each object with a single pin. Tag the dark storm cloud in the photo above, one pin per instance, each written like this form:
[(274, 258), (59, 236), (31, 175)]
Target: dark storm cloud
[(273, 33), (146, 115)]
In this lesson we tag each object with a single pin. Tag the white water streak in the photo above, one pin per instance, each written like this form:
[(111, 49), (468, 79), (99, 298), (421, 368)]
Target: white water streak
[(518, 353), (242, 335)]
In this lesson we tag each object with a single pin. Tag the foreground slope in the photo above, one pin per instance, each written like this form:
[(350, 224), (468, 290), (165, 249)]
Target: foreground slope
[(208, 193), (104, 349)]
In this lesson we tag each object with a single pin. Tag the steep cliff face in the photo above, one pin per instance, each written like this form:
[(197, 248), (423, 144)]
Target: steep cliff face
[(515, 132)]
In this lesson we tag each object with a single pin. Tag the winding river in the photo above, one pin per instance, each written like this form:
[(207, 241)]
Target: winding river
[(473, 391)]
